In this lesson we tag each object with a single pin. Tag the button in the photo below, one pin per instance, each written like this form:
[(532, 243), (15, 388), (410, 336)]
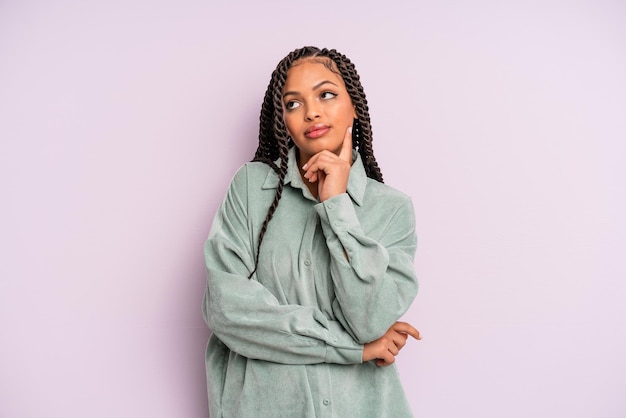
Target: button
[(307, 263), (337, 224), (326, 402), (331, 205)]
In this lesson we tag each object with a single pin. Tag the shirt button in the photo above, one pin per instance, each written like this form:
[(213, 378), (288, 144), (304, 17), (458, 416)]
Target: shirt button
[(337, 224), (326, 402), (307, 263), (331, 205)]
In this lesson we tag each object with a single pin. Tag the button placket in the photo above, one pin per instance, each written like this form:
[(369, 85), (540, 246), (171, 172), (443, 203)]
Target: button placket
[(306, 250)]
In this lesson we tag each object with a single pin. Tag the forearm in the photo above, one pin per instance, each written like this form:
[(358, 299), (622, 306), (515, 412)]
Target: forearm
[(373, 277), (250, 321)]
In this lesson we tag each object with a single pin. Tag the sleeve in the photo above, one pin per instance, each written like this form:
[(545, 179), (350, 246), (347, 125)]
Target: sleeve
[(246, 316), (374, 279)]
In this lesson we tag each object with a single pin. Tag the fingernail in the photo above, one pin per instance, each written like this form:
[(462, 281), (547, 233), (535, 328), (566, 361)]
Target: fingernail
[(350, 129), (305, 166)]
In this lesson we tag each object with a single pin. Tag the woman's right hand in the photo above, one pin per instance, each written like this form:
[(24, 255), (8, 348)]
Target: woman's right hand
[(386, 348)]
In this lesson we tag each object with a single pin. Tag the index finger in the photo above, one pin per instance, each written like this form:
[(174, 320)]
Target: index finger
[(407, 328), (346, 148)]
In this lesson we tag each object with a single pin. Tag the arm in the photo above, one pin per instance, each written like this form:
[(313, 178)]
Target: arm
[(245, 316), (374, 279)]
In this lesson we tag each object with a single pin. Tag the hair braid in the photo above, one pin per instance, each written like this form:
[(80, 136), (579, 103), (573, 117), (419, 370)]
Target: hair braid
[(274, 140), (283, 150), (355, 89)]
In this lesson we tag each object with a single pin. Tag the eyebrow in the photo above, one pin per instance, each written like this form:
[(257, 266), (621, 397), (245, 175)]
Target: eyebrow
[(315, 87)]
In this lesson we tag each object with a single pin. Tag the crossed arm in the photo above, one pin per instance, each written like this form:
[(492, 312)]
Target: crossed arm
[(250, 321)]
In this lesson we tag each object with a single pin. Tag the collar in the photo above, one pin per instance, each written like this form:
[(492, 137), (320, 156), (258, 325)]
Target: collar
[(356, 182)]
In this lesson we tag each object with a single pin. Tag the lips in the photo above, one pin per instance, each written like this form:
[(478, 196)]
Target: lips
[(316, 131)]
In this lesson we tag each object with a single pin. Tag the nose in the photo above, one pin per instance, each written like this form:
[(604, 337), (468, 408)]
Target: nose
[(312, 112)]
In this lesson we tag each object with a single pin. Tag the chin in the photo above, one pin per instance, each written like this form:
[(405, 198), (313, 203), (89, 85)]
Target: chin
[(333, 149), (328, 144)]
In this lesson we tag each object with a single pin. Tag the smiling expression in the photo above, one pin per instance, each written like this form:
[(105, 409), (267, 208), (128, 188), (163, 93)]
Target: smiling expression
[(317, 108)]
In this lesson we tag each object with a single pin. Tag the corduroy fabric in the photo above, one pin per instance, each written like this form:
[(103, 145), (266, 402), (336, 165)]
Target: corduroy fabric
[(332, 276)]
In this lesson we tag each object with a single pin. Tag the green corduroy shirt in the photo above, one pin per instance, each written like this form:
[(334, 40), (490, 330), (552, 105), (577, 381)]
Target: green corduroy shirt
[(289, 341)]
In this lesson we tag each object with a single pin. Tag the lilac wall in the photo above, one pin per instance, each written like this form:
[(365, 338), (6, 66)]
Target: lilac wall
[(121, 124)]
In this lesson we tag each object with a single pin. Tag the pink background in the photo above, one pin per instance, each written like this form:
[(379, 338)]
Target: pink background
[(122, 122)]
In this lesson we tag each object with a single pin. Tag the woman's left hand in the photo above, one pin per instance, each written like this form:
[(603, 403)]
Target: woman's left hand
[(329, 170), (386, 348)]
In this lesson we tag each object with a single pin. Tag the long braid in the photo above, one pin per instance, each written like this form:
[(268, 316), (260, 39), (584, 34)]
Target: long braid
[(355, 89), (274, 140)]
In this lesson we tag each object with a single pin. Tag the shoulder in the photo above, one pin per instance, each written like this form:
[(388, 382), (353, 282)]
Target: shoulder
[(382, 194), (386, 211), (251, 176)]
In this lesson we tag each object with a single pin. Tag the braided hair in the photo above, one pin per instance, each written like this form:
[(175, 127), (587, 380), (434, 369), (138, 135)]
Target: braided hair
[(274, 140)]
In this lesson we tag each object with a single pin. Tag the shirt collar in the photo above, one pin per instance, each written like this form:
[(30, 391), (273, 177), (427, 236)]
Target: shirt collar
[(356, 182)]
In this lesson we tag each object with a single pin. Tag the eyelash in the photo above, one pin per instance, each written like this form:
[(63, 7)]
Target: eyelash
[(324, 93)]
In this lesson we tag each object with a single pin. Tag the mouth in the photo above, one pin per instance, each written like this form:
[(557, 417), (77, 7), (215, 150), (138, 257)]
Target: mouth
[(316, 131)]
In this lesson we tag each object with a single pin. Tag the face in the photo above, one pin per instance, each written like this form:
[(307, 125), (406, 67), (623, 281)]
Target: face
[(317, 108)]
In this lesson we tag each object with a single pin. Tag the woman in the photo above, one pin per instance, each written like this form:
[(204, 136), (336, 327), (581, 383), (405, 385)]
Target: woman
[(310, 259)]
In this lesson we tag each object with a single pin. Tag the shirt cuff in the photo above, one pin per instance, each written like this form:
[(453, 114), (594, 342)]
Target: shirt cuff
[(337, 213), (343, 355), (341, 348)]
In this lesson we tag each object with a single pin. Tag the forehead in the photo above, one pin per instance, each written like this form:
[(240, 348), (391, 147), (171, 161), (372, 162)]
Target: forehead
[(309, 72)]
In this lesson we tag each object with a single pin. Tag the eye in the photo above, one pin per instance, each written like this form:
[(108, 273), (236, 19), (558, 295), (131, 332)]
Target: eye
[(328, 95), (291, 105)]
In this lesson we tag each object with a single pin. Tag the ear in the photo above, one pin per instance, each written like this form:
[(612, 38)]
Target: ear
[(355, 115)]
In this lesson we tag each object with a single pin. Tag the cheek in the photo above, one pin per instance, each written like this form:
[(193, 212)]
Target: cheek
[(347, 111), (349, 114), (289, 124)]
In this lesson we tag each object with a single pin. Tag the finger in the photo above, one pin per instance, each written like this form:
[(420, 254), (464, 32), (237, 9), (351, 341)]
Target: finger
[(393, 349), (346, 148), (315, 163), (407, 328), (386, 361), (310, 169), (388, 358), (311, 176), (399, 340), (308, 164), (320, 164), (324, 154)]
